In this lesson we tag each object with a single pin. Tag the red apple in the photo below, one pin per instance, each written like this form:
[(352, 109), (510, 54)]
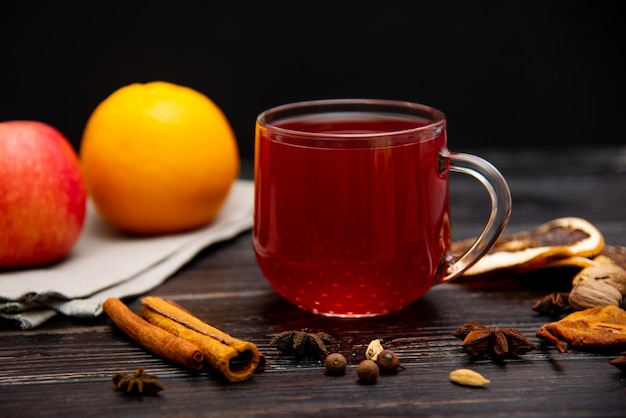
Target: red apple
[(42, 194)]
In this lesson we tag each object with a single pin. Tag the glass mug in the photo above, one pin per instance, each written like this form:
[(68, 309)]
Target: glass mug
[(352, 204)]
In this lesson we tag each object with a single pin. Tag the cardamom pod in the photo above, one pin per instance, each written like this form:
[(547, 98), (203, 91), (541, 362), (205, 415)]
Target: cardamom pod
[(467, 377)]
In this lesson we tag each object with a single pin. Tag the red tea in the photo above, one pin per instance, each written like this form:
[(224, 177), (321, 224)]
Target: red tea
[(347, 226)]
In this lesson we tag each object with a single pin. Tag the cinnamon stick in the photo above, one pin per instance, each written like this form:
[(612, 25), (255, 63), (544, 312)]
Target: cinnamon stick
[(153, 338), (235, 359)]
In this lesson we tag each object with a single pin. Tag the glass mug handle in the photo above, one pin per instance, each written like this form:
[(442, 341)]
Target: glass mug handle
[(500, 196)]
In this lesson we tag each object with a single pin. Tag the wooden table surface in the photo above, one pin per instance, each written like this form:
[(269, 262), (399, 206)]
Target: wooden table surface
[(64, 367)]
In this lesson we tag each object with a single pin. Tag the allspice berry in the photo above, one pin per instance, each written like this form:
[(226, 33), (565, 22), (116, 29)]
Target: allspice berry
[(335, 364), (368, 372), (388, 362)]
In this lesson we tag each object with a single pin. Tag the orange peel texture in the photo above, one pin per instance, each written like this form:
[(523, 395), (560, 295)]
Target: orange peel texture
[(568, 241)]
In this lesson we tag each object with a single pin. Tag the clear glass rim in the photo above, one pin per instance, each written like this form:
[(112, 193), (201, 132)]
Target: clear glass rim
[(266, 118)]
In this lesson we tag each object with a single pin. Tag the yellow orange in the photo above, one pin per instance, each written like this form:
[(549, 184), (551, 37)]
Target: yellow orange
[(158, 158)]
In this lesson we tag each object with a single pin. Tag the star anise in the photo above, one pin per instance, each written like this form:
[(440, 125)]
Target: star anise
[(481, 342), (553, 303), (302, 343), (137, 383)]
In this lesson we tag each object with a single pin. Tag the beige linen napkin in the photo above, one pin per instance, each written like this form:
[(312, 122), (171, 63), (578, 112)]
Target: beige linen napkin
[(106, 263)]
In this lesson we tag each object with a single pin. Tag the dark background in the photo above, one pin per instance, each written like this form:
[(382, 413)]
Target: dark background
[(507, 74)]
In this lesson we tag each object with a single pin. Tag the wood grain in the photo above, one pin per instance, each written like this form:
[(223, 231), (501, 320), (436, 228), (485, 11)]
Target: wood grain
[(64, 368)]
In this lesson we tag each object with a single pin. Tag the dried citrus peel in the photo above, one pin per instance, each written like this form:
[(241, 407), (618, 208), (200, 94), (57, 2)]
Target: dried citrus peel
[(569, 238), (614, 254), (610, 254), (574, 262), (594, 327)]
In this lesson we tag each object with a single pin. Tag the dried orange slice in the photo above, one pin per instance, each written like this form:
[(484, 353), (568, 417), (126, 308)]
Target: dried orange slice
[(571, 241), (575, 261), (616, 254), (611, 254)]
